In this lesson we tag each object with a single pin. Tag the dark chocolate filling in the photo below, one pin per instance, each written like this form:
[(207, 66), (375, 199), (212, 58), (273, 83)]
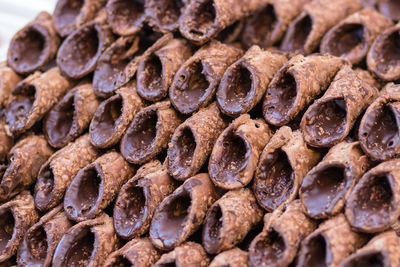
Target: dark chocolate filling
[(150, 77), (212, 230), (370, 259), (317, 253), (123, 14), (7, 224), (184, 146), (269, 250), (203, 18), (261, 26), (121, 261), (297, 38), (68, 12), (80, 251), (44, 187), (388, 56), (167, 11), (37, 245), (390, 8), (18, 110), (346, 38)]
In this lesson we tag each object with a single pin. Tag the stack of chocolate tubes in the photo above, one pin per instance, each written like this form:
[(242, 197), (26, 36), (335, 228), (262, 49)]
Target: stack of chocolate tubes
[(202, 133)]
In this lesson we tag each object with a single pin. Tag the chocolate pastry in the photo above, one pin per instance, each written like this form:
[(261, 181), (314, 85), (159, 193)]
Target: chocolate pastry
[(41, 239), (16, 216), (34, 46), (95, 186), (366, 76), (180, 214), (8, 80), (389, 8), (32, 98), (234, 158), (71, 116), (87, 243), (6, 143), (188, 254), (229, 220), (233, 258), (196, 81), (374, 202), (297, 84), (113, 116), (329, 119), (137, 252), (307, 29), (280, 238), (268, 24), (192, 142), (284, 162), (149, 132), (231, 34), (326, 187), (156, 70), (125, 16), (245, 81), (163, 15), (57, 173), (329, 244), (24, 161)]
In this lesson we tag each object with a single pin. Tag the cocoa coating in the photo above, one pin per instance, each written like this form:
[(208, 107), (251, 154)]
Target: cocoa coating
[(125, 16), (188, 254)]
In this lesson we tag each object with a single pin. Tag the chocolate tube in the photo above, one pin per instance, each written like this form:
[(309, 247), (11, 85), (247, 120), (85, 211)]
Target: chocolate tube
[(125, 16), (188, 254), (6, 143), (41, 239), (280, 238), (366, 76), (234, 158), (163, 15), (32, 98), (307, 29), (192, 142), (245, 81), (16, 216), (332, 242), (57, 173), (139, 197), (229, 220), (297, 84), (87, 243), (149, 132), (232, 258), (329, 119), (284, 162), (71, 116), (24, 161), (181, 213), (95, 186), (33, 46), (268, 24), (113, 116), (156, 70), (196, 81), (374, 202), (8, 80), (389, 8)]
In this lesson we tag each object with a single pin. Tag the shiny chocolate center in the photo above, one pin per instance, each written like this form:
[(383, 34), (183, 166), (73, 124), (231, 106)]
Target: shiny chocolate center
[(211, 232), (68, 13), (346, 38), (80, 251), (269, 250), (181, 155), (388, 56), (19, 108), (316, 252), (297, 38), (37, 244), (150, 77)]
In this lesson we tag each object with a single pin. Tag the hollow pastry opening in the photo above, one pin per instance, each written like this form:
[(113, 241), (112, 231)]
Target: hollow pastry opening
[(124, 14), (202, 18), (316, 252), (19, 109), (346, 38), (368, 258), (44, 187), (7, 224), (150, 77), (390, 8), (212, 230), (168, 11), (297, 37), (80, 249), (269, 250), (183, 149), (388, 56), (231, 33), (37, 243), (121, 261), (68, 12), (262, 25)]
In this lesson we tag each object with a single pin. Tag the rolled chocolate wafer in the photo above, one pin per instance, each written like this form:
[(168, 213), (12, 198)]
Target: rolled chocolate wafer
[(329, 119), (87, 243), (373, 204), (284, 162), (125, 16), (245, 81), (8, 80), (196, 81), (366, 76), (71, 116), (234, 158), (24, 161), (280, 238), (297, 84), (113, 116), (33, 46), (192, 142), (307, 29), (389, 8), (40, 241), (332, 242), (95, 186), (181, 213), (233, 258), (16, 217), (32, 98), (188, 254), (163, 15)]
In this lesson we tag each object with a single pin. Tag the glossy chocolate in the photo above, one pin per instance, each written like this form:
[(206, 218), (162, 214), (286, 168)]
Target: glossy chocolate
[(297, 34), (316, 252), (20, 106), (125, 16)]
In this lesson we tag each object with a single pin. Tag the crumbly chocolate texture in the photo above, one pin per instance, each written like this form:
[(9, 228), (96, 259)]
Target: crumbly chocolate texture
[(95, 186), (163, 15), (329, 119), (8, 80), (280, 238), (389, 8), (297, 84), (113, 116), (41, 240), (188, 254), (6, 143), (57, 173), (366, 76), (245, 81), (149, 132), (353, 36), (180, 214), (373, 205), (196, 81), (71, 116), (233, 258), (284, 162), (234, 158), (307, 29), (32, 98), (125, 16), (87, 243)]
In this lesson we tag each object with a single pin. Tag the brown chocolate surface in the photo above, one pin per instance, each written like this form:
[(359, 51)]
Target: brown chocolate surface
[(316, 252), (269, 250), (7, 224), (390, 8), (66, 14), (368, 258), (125, 16), (19, 108), (164, 14), (346, 38), (297, 34), (79, 249)]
